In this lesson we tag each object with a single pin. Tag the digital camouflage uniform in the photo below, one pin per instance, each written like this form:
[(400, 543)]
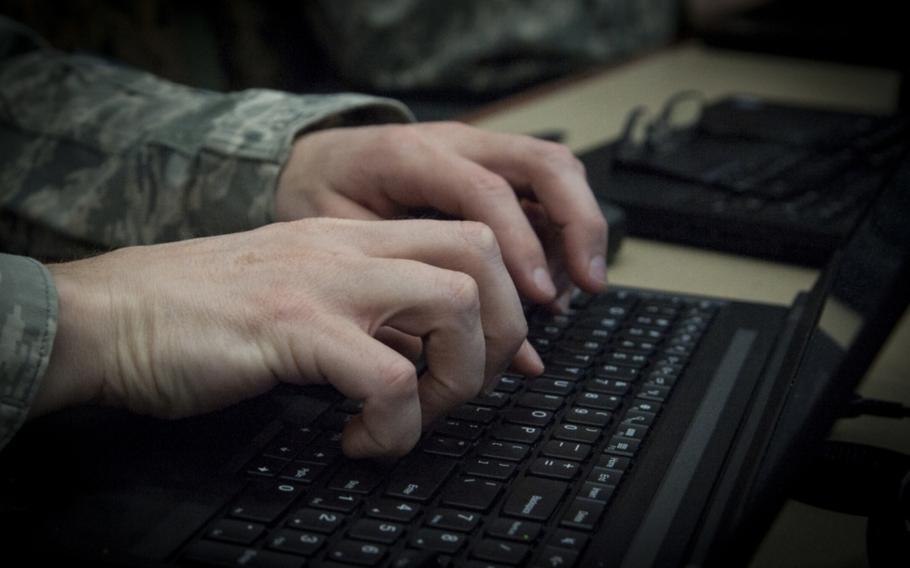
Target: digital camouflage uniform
[(482, 45), (95, 156)]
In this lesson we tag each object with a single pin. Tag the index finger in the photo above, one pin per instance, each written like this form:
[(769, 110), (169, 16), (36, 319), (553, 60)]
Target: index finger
[(556, 178)]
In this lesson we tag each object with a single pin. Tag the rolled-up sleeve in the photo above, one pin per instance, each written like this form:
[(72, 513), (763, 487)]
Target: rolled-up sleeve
[(99, 154), (28, 322)]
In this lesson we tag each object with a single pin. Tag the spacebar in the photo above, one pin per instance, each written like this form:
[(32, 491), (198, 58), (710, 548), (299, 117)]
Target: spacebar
[(534, 498)]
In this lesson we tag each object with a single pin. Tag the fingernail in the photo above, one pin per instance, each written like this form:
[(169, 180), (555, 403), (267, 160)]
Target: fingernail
[(543, 281), (598, 269), (538, 362)]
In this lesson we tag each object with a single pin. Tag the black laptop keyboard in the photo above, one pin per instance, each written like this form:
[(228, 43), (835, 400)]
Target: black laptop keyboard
[(518, 477)]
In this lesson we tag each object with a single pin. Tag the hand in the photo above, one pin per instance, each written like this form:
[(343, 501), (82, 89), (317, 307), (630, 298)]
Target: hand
[(183, 328), (498, 179)]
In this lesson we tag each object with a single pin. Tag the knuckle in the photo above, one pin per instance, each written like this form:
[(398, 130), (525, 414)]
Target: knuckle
[(398, 378), (479, 237), (489, 184), (558, 157), (462, 293), (404, 138)]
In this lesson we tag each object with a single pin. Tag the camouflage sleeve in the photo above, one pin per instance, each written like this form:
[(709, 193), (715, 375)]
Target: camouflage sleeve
[(483, 45), (28, 321), (96, 154)]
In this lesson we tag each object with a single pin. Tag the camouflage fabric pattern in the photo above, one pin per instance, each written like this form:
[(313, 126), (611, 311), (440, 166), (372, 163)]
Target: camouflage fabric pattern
[(95, 156), (482, 45), (28, 319), (111, 156)]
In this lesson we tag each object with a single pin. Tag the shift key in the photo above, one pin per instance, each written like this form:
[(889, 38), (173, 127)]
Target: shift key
[(534, 498)]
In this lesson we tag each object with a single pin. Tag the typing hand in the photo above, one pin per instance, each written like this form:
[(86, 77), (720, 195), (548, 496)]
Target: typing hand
[(183, 328), (532, 193)]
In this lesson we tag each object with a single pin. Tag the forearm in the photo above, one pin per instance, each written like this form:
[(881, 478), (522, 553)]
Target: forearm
[(105, 156)]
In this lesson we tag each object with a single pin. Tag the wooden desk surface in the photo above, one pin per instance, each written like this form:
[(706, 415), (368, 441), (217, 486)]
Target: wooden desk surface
[(591, 110)]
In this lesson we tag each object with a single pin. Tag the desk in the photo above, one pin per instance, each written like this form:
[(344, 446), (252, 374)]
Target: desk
[(592, 109)]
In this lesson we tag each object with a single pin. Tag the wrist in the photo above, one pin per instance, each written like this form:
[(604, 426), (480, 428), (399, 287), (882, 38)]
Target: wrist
[(82, 343)]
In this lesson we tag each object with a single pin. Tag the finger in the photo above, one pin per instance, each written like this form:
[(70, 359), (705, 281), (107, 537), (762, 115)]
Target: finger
[(557, 179), (440, 306), (469, 248), (469, 191), (408, 345), (362, 368), (527, 361)]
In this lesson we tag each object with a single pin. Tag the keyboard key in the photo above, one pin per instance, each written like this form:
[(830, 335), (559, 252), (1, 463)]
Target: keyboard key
[(528, 416), (471, 493), (295, 542), (625, 358), (334, 501), (572, 540), (598, 400), (442, 541), (264, 501), (608, 386), (376, 531), (596, 491), (353, 552), (301, 472), (411, 558), (445, 446), (516, 433), (456, 429), (393, 510), (655, 393), (605, 475), (556, 558), (462, 521), (509, 384), (240, 532), (638, 418), (501, 551), (632, 431), (622, 446), (582, 514), (613, 462), (576, 433), (522, 531), (616, 372), (266, 466), (563, 372), (566, 450), (645, 406), (321, 455), (588, 416), (357, 477), (315, 520), (490, 468), (558, 387), (220, 554), (495, 399), (419, 478), (509, 451), (534, 498), (540, 401), (557, 469), (471, 413)]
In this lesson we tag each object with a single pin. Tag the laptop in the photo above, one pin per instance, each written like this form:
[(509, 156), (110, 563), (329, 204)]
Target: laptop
[(663, 433)]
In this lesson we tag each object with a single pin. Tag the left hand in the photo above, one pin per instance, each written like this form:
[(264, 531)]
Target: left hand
[(532, 193)]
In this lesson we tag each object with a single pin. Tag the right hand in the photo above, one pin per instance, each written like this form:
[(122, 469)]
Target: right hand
[(189, 327)]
